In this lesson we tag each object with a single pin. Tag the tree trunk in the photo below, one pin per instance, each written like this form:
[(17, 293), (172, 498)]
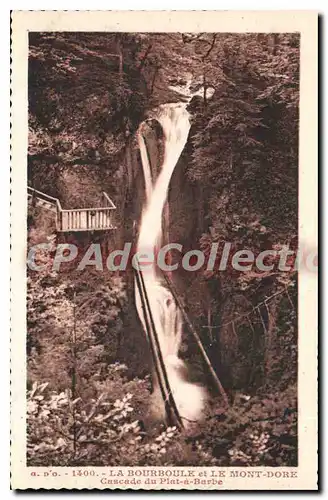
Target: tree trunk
[(273, 42), (144, 59), (153, 80), (205, 91), (119, 54)]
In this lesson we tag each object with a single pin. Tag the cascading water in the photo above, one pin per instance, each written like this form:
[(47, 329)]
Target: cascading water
[(189, 398)]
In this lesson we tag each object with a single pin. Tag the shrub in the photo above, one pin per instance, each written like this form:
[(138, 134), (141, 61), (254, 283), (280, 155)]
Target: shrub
[(101, 431), (254, 431)]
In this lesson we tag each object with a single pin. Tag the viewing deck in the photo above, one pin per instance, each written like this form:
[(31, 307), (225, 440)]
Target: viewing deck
[(77, 219)]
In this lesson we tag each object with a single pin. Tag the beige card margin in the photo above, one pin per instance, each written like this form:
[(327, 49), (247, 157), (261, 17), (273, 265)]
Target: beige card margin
[(305, 22)]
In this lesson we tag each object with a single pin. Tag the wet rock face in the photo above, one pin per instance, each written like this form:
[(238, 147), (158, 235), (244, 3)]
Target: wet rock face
[(195, 104), (156, 127), (153, 135)]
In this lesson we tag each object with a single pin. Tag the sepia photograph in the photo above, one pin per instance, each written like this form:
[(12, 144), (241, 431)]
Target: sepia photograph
[(163, 255), (159, 139)]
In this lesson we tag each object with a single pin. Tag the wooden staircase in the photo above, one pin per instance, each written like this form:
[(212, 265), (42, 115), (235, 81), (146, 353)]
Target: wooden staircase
[(75, 220)]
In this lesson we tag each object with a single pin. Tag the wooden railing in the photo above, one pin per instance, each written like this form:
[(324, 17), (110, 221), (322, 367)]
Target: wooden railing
[(80, 219), (86, 219), (49, 201)]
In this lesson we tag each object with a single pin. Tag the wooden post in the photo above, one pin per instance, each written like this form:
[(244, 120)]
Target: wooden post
[(166, 392), (197, 338)]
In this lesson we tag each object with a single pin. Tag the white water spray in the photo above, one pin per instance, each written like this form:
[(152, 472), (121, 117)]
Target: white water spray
[(189, 398)]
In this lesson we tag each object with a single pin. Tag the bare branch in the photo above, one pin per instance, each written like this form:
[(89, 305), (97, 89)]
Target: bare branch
[(211, 47), (144, 59)]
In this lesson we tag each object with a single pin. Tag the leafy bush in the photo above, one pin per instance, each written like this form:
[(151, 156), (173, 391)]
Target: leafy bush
[(254, 431), (73, 324), (105, 430)]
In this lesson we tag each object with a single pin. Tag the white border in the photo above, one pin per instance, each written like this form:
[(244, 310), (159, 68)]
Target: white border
[(310, 235)]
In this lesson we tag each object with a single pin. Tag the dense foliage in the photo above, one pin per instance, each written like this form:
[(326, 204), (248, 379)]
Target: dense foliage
[(87, 95)]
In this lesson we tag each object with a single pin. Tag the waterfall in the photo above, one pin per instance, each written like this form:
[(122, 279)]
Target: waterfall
[(189, 398)]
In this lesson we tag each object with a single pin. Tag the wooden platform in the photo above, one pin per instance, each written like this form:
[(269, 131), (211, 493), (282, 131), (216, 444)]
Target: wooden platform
[(77, 219)]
